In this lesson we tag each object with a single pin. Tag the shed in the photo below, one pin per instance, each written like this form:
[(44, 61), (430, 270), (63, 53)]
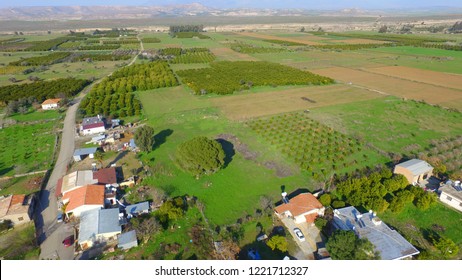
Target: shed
[(79, 154), (127, 240), (137, 209), (415, 170)]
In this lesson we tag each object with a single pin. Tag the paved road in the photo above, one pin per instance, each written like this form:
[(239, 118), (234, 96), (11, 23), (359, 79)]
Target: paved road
[(50, 233)]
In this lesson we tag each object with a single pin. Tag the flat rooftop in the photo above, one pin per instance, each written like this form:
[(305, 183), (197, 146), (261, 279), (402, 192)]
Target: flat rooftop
[(388, 242)]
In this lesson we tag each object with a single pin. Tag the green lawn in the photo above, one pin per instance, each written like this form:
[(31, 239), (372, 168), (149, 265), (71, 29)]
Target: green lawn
[(229, 193), (422, 58), (391, 124), (21, 185), (438, 214), (19, 243), (38, 116), (26, 148)]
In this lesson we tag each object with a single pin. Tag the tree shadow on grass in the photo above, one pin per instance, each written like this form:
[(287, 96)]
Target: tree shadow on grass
[(228, 147), (161, 137), (117, 158)]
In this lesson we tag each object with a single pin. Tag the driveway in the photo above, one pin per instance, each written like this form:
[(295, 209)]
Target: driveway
[(312, 237)]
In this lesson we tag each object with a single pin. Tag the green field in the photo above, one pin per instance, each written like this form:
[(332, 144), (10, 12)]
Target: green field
[(391, 124), (36, 142)]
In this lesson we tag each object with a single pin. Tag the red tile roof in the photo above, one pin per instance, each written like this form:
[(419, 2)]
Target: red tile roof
[(88, 195), (300, 204), (93, 125), (59, 186), (51, 101), (311, 217), (106, 176), (17, 199)]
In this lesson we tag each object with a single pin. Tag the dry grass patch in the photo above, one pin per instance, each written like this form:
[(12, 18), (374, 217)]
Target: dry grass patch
[(394, 86), (419, 75), (230, 55), (247, 106)]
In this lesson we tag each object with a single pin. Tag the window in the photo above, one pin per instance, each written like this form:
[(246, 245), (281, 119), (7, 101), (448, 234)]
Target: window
[(20, 218), (448, 198)]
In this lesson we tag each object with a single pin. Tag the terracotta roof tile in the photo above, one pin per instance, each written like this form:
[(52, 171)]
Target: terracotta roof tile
[(88, 195), (17, 199), (106, 176), (311, 217), (51, 101), (93, 125), (300, 204)]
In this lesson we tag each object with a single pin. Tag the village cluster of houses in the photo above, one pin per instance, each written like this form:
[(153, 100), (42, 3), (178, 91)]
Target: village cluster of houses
[(304, 208), (91, 196)]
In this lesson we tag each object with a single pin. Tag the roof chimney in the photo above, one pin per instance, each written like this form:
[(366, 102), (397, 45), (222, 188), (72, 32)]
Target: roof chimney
[(284, 198)]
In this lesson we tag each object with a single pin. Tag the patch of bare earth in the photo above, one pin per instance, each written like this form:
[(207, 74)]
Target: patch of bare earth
[(280, 170)]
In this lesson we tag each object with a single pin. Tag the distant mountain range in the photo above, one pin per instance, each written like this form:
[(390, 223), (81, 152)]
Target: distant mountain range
[(63, 13)]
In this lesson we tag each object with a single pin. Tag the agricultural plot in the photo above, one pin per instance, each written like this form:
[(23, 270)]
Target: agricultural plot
[(305, 41), (113, 95), (391, 124), (231, 55), (316, 148), (394, 86), (447, 152), (51, 58), (242, 47), (26, 148), (191, 35), (424, 76), (276, 101), (227, 77), (186, 56)]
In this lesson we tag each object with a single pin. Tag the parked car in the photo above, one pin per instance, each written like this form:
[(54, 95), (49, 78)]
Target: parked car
[(68, 241), (59, 218), (299, 234)]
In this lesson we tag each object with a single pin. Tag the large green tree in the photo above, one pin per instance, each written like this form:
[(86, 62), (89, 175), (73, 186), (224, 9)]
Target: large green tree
[(200, 156), (144, 138), (278, 242), (345, 245)]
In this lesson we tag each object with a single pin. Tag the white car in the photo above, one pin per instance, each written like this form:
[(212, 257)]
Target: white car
[(299, 234)]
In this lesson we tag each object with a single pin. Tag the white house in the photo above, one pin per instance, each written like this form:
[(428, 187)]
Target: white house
[(451, 194), (51, 104), (98, 226), (92, 125)]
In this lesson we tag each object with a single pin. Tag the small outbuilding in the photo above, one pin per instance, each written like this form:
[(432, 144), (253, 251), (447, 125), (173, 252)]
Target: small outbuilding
[(451, 194), (127, 240), (137, 209), (415, 170), (80, 154), (93, 125)]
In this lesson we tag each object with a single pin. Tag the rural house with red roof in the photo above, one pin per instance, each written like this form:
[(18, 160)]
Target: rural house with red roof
[(92, 125), (84, 199), (17, 208), (51, 104), (302, 208)]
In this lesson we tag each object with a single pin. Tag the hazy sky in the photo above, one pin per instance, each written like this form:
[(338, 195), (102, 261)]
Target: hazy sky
[(308, 4)]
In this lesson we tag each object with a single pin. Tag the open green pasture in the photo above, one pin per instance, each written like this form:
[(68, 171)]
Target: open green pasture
[(392, 124), (230, 193)]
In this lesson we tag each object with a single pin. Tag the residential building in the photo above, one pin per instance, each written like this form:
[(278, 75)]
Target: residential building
[(84, 199), (80, 154), (93, 125), (127, 240), (98, 226), (77, 179), (51, 104), (302, 208), (17, 208), (137, 209), (388, 242), (451, 194), (415, 170)]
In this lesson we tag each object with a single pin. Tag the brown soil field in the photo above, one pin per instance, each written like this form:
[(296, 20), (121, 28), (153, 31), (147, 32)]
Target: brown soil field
[(423, 76), (272, 37), (252, 105), (230, 55), (393, 86)]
